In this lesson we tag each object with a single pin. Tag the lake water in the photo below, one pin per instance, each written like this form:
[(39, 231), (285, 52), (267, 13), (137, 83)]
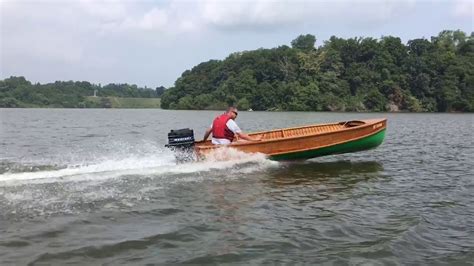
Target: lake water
[(98, 187)]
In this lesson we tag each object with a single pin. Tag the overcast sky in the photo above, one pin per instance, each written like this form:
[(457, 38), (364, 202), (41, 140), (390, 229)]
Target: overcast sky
[(150, 43)]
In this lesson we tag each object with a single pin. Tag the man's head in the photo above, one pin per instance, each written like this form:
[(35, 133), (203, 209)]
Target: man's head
[(232, 112)]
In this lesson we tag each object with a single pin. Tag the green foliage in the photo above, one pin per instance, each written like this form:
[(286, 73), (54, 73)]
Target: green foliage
[(304, 42), (9, 102), (105, 102), (18, 92), (331, 102), (354, 104), (187, 102), (159, 91), (243, 104), (375, 101), (304, 98), (118, 102), (356, 74), (413, 104), (202, 101)]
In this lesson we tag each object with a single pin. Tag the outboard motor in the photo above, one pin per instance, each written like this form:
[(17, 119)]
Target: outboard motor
[(181, 141)]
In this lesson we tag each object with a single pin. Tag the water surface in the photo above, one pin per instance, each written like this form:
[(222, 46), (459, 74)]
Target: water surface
[(98, 187)]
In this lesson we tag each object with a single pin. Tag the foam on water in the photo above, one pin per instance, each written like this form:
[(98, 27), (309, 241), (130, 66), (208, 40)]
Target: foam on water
[(159, 163), (114, 182)]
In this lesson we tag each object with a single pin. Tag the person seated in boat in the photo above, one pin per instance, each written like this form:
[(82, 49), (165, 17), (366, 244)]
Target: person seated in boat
[(224, 129)]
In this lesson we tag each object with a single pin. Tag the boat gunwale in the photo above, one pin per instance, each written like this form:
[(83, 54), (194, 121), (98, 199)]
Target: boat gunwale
[(371, 122), (329, 145)]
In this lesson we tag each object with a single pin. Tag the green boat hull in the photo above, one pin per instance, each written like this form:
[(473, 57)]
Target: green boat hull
[(361, 144)]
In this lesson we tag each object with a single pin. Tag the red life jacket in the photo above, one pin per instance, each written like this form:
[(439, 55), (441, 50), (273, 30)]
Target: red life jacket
[(220, 129)]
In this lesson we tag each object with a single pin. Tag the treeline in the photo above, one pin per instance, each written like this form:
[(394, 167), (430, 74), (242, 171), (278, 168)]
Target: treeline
[(357, 74), (19, 92)]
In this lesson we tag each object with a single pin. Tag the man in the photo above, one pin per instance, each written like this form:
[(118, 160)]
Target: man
[(224, 128)]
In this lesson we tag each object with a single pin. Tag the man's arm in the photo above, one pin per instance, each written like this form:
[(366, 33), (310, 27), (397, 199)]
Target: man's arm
[(247, 137), (208, 132), (237, 131)]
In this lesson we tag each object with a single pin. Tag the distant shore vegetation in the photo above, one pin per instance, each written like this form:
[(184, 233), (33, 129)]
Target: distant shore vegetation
[(19, 92), (356, 74)]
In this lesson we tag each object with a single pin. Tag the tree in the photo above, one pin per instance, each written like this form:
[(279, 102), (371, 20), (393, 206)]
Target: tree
[(304, 42), (203, 101), (9, 102), (159, 91), (375, 101), (355, 74), (243, 104), (186, 102)]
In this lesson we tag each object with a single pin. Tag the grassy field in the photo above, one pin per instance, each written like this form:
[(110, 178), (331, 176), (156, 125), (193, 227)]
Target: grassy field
[(116, 102)]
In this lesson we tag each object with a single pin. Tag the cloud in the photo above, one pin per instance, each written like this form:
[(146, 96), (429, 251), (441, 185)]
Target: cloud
[(105, 9), (246, 14), (155, 19), (120, 35), (266, 14), (177, 17), (173, 17), (464, 9), (26, 31)]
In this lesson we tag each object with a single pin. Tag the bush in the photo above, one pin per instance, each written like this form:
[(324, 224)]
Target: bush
[(9, 102)]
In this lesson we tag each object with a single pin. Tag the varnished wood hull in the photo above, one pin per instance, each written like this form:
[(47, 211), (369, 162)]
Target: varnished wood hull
[(310, 141)]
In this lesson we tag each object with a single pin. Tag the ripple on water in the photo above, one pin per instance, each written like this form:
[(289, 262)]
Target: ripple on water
[(121, 199)]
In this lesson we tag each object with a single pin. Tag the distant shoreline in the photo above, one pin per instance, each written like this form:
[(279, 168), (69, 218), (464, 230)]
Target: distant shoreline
[(104, 103), (217, 110), (354, 74), (19, 92)]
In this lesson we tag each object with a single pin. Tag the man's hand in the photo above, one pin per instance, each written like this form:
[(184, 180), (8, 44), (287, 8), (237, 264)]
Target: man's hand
[(206, 135)]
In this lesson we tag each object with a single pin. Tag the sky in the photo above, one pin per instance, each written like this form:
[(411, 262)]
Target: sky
[(151, 43)]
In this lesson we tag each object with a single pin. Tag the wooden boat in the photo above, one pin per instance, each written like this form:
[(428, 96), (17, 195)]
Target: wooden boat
[(308, 141)]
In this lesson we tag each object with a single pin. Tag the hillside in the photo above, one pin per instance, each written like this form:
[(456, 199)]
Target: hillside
[(357, 74), (19, 92), (117, 102)]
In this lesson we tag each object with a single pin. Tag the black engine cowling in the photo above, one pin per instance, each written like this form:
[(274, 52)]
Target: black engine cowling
[(181, 141)]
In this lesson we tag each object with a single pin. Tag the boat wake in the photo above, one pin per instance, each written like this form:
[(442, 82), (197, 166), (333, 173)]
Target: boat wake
[(29, 190), (158, 164)]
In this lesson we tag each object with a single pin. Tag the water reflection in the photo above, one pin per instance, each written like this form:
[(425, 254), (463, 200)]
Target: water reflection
[(320, 181), (347, 172)]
